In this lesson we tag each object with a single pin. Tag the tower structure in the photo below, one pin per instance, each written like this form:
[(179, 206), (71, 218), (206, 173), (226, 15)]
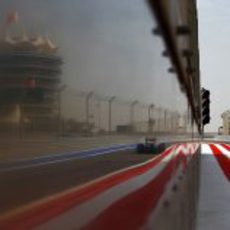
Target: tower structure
[(30, 70)]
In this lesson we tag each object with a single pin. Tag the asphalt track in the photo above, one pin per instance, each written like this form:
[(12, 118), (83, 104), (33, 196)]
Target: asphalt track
[(24, 185), (61, 157)]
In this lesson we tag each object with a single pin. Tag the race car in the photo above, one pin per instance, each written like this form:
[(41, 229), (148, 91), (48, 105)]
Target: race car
[(151, 145)]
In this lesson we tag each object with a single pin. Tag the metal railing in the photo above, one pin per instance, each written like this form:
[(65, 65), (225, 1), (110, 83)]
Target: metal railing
[(75, 112)]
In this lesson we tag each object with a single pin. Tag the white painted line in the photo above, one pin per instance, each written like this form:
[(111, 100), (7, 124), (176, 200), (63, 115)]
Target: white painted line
[(223, 150), (76, 157), (205, 149)]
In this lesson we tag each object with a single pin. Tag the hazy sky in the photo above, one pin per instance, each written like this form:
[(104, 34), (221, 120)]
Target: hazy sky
[(108, 47), (214, 32)]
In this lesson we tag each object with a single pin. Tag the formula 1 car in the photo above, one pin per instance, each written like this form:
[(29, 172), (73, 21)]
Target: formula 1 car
[(150, 145)]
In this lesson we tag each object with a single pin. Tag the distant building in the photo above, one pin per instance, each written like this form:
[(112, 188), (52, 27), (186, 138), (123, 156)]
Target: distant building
[(226, 122), (29, 78)]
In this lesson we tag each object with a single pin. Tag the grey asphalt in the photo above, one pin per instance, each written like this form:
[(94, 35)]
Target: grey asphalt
[(214, 209), (20, 187), (18, 164), (30, 147)]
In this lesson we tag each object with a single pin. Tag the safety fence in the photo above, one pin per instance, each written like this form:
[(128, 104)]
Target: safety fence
[(75, 112), (157, 194)]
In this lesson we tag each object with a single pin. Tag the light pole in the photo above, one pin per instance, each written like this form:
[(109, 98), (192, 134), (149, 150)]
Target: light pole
[(159, 120), (150, 120), (165, 120), (173, 118), (110, 113), (132, 112), (99, 114), (60, 123), (88, 96)]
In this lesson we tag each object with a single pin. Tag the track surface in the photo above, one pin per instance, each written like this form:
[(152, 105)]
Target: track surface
[(19, 187)]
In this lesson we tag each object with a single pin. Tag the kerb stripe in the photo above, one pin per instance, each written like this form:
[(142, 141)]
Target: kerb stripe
[(132, 211), (45, 211), (222, 159)]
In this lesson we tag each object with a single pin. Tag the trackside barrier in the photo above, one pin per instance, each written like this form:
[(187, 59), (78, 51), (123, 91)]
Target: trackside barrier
[(177, 207), (158, 194)]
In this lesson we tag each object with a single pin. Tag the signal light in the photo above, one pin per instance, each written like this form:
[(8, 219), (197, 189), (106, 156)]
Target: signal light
[(205, 103)]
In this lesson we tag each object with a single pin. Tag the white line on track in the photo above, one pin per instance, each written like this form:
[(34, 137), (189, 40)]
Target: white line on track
[(223, 150), (205, 149)]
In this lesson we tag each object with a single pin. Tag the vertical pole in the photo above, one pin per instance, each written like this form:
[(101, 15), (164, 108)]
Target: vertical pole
[(159, 119), (60, 124), (110, 113), (150, 120), (165, 120), (99, 114), (88, 96), (132, 113), (192, 128), (59, 113), (202, 131)]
